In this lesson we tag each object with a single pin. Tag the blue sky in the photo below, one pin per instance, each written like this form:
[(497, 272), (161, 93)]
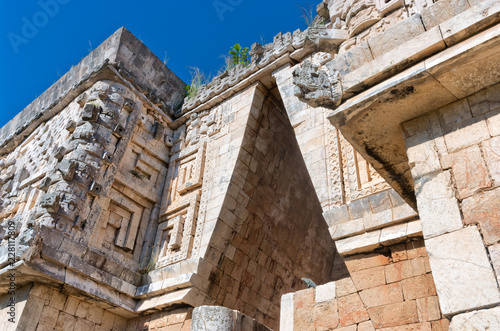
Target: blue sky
[(41, 40)]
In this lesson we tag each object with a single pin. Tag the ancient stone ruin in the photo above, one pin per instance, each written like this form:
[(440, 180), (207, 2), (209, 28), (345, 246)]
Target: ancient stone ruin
[(362, 153)]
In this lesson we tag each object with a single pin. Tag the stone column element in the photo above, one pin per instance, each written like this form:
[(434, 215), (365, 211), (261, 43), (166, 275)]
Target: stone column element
[(215, 318)]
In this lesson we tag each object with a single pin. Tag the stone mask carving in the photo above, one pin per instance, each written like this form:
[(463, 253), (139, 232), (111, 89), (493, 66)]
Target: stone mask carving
[(315, 87)]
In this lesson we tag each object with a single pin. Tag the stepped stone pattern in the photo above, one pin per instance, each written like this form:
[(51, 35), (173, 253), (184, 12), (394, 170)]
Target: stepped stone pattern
[(361, 154)]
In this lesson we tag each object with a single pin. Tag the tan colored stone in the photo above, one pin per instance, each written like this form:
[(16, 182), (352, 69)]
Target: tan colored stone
[(65, 322), (441, 325), (365, 261), (410, 327), (351, 310), (326, 316), (398, 253), (368, 278), (382, 295), (469, 171), (304, 298), (71, 305), (49, 316), (416, 248), (394, 314), (83, 325), (345, 286), (366, 326), (484, 209), (398, 271), (418, 287), (491, 150), (82, 310), (428, 309)]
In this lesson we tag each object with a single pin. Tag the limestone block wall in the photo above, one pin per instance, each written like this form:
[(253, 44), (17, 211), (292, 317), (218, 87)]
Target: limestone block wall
[(262, 208), (362, 211), (46, 308), (453, 154), (390, 289)]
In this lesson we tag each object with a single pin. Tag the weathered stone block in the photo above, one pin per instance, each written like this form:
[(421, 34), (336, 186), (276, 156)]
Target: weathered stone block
[(486, 319), (494, 251), (394, 314), (441, 325), (90, 112), (326, 316), (366, 326), (366, 261), (485, 100), (368, 278), (325, 292), (418, 287), (365, 242), (462, 273), (396, 35), (68, 169), (428, 309), (467, 133), (491, 149), (484, 209), (345, 286), (304, 298), (50, 201), (398, 271), (382, 295), (351, 310), (422, 154), (442, 11), (437, 205), (469, 170)]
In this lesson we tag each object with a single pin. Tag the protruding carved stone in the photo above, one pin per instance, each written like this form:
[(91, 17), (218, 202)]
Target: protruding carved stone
[(95, 188), (129, 105), (176, 234), (59, 153), (45, 183), (107, 158), (119, 130), (71, 126), (90, 112), (315, 87), (82, 99), (256, 52), (67, 168), (50, 202)]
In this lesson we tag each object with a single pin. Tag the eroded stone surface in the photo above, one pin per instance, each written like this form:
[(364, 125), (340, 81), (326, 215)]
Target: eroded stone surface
[(463, 275)]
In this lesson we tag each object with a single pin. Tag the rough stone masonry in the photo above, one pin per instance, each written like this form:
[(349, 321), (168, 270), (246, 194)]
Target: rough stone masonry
[(362, 153)]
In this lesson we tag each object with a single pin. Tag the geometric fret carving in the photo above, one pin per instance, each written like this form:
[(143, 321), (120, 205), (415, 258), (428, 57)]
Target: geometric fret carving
[(360, 178)]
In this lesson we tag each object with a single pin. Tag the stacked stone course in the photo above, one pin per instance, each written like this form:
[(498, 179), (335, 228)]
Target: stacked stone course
[(362, 153)]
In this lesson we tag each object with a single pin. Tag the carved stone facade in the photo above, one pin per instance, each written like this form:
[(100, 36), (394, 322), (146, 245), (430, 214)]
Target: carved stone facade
[(360, 153)]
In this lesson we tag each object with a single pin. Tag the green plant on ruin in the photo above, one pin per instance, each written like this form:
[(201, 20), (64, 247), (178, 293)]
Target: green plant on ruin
[(197, 80), (308, 14), (228, 64), (239, 55)]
